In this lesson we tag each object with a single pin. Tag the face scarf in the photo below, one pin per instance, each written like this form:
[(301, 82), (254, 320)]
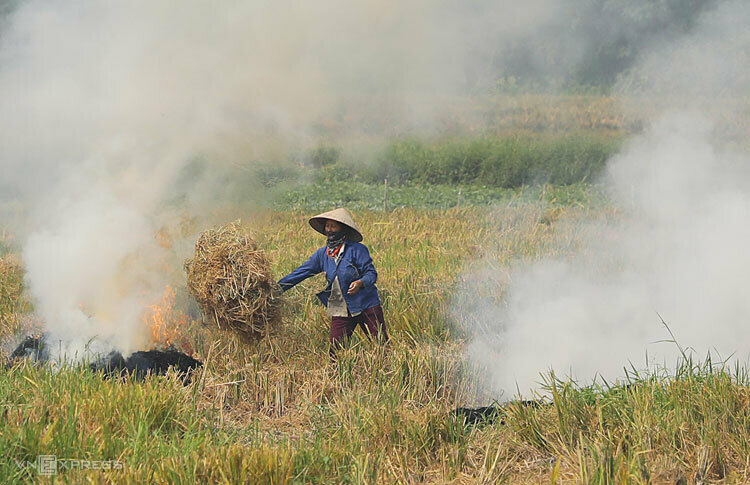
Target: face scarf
[(334, 242)]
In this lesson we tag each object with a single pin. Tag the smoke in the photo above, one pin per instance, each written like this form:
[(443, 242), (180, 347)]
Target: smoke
[(109, 107), (76, 269), (677, 250)]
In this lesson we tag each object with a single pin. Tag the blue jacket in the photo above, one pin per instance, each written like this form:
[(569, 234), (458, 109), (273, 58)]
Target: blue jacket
[(355, 264)]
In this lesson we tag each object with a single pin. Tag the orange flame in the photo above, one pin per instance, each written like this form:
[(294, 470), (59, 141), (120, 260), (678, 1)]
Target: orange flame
[(168, 324)]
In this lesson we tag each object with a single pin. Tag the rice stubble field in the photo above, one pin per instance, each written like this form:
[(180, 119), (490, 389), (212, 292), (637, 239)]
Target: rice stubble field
[(277, 410)]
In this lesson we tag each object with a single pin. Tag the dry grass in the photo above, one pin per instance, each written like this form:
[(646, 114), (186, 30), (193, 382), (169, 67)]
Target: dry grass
[(230, 278), (13, 303)]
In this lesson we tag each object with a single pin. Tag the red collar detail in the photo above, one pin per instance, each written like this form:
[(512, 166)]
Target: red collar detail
[(335, 252)]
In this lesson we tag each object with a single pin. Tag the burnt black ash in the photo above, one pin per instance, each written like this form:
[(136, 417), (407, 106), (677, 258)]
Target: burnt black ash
[(32, 347), (492, 414), (139, 364), (145, 362)]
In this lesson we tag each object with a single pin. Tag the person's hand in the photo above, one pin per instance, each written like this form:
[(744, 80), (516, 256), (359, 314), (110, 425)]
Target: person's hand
[(355, 287)]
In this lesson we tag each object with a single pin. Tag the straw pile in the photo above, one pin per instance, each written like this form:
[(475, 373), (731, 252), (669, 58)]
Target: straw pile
[(230, 277)]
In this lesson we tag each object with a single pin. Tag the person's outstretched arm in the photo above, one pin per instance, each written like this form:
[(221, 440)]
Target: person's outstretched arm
[(311, 267)]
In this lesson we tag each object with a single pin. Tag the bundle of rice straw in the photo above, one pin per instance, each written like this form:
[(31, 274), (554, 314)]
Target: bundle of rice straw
[(230, 277)]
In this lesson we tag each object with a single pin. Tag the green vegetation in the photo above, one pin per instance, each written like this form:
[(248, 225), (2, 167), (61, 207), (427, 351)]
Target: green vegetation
[(310, 197), (489, 143), (510, 161), (444, 173)]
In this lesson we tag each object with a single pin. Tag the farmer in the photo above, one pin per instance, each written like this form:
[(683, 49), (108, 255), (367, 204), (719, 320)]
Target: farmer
[(351, 295)]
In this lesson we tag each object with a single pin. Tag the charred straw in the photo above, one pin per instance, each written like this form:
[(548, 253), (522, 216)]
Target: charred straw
[(138, 364)]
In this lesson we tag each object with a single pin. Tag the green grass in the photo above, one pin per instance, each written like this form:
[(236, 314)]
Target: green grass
[(500, 161), (507, 161), (356, 195)]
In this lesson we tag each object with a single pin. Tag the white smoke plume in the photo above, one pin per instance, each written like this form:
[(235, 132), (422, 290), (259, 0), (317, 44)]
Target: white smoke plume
[(678, 251)]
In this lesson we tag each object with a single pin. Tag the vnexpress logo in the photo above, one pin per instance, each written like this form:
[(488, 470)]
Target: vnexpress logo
[(48, 465)]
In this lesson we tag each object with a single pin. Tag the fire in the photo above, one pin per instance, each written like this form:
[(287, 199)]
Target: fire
[(167, 323)]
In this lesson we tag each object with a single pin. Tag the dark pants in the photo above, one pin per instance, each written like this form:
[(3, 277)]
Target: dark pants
[(371, 320)]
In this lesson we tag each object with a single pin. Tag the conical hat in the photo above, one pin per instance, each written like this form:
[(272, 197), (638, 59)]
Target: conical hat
[(339, 215)]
